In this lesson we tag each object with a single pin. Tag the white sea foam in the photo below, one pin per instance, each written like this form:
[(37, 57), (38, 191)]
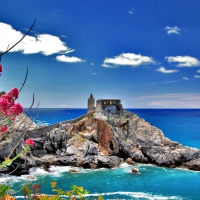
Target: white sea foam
[(37, 171), (132, 195), (124, 165), (9, 179), (28, 177), (59, 169), (138, 195), (42, 123)]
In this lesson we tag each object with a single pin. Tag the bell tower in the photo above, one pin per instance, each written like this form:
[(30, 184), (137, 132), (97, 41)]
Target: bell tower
[(91, 105)]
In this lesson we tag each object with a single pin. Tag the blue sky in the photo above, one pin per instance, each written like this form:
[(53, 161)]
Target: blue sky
[(144, 52)]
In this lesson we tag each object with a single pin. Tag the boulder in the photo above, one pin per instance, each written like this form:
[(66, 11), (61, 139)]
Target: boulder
[(39, 152), (73, 171), (134, 171), (131, 162), (93, 148), (71, 150)]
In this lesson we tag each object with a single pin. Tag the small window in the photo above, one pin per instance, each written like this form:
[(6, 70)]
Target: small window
[(110, 102), (104, 102)]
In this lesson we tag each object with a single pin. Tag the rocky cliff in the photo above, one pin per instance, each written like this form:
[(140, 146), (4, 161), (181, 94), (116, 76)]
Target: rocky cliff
[(100, 140)]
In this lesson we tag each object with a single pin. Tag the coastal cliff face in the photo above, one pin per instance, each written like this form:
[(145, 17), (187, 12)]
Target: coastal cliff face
[(101, 140)]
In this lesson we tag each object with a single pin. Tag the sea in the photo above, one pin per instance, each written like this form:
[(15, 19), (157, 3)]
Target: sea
[(153, 183)]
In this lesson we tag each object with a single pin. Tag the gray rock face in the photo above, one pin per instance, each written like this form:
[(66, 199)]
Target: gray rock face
[(93, 148), (98, 141)]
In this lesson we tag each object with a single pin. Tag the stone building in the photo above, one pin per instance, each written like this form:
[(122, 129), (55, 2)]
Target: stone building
[(91, 103), (102, 104)]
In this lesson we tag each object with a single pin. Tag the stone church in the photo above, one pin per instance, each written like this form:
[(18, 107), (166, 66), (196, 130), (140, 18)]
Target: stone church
[(102, 104)]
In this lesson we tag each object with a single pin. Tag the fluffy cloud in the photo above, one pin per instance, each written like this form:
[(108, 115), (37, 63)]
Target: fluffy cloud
[(185, 78), (196, 76), (184, 61), (127, 59), (131, 11), (45, 44), (198, 71), (165, 71), (40, 43), (68, 59), (172, 30)]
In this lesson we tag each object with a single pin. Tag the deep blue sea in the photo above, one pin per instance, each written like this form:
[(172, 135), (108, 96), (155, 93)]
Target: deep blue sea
[(182, 125)]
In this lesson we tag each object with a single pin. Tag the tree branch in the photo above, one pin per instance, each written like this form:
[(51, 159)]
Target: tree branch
[(25, 78), (19, 40)]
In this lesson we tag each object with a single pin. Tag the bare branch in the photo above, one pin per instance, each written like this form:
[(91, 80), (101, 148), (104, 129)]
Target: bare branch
[(19, 40), (25, 78)]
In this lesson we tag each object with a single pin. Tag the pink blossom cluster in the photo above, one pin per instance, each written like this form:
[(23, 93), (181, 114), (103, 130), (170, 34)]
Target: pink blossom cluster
[(29, 142), (8, 108), (3, 128)]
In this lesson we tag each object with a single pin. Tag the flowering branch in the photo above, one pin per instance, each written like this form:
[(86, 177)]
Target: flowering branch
[(9, 110), (26, 149)]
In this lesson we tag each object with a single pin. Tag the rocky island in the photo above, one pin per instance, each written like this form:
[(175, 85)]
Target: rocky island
[(105, 137)]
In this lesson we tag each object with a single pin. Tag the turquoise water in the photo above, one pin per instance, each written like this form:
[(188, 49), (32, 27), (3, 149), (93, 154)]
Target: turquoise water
[(151, 184)]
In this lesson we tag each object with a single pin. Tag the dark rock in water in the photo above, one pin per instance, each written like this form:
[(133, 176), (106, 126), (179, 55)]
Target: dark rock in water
[(131, 162), (95, 141), (73, 171), (134, 171)]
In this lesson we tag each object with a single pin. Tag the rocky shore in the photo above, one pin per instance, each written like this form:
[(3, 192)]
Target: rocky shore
[(97, 140)]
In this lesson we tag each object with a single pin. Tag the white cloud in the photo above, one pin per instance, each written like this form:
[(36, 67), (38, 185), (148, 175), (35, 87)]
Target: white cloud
[(163, 82), (39, 43), (172, 30), (185, 78), (92, 63), (65, 105), (127, 59), (198, 71), (68, 59), (183, 61), (155, 104), (131, 11), (94, 73), (45, 44), (165, 71), (63, 36), (171, 100), (196, 76)]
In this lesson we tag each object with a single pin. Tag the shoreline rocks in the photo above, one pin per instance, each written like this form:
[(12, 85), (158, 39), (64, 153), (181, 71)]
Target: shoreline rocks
[(96, 141)]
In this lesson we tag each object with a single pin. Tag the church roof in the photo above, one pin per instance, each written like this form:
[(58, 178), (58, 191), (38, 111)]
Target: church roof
[(91, 96)]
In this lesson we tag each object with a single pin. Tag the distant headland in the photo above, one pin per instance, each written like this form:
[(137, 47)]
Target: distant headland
[(106, 136)]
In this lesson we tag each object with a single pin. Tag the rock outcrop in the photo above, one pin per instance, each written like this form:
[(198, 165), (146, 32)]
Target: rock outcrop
[(100, 140)]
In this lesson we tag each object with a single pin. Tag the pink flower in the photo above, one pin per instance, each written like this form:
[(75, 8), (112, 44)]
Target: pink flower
[(3, 105), (15, 110), (1, 68), (14, 93), (3, 129), (29, 142), (9, 99)]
